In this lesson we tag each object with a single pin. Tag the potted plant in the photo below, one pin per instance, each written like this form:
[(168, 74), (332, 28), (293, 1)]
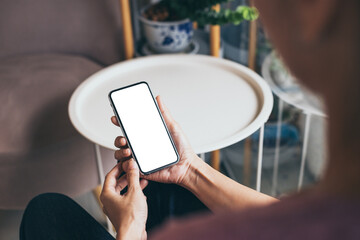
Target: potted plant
[(168, 24)]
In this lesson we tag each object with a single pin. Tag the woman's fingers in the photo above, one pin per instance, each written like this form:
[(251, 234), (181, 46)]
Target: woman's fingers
[(111, 178), (169, 120), (132, 173), (121, 183), (122, 154), (120, 142), (114, 121), (143, 183)]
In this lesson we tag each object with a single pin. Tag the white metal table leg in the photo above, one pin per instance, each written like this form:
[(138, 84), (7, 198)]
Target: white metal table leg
[(260, 159), (101, 175), (304, 150), (277, 148)]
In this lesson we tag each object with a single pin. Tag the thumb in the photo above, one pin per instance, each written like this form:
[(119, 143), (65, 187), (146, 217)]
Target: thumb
[(169, 120), (132, 175)]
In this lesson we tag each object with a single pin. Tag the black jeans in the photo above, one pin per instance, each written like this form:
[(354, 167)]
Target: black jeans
[(55, 216)]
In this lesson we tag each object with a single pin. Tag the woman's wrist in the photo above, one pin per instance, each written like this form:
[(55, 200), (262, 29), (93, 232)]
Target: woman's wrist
[(190, 178), (128, 231)]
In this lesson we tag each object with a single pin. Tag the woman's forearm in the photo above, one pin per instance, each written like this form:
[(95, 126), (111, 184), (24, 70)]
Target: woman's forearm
[(220, 193)]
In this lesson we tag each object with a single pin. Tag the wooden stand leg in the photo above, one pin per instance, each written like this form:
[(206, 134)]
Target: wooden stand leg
[(215, 51), (252, 45), (215, 159), (127, 29), (247, 162), (252, 62), (215, 37)]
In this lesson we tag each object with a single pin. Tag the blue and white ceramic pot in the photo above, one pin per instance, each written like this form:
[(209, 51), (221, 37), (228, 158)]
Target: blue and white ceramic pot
[(167, 37)]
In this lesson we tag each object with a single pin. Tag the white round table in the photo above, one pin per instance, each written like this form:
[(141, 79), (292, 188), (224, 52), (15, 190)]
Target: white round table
[(216, 102), (289, 90)]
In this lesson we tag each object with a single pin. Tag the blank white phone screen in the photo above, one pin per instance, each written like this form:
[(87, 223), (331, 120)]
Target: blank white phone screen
[(144, 127)]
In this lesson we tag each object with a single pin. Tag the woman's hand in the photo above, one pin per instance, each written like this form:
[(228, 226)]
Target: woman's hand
[(176, 173), (128, 212)]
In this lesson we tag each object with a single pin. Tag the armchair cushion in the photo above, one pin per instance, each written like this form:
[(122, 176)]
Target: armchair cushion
[(34, 95), (40, 151)]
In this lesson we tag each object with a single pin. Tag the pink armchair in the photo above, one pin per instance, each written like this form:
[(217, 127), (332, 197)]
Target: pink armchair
[(47, 48)]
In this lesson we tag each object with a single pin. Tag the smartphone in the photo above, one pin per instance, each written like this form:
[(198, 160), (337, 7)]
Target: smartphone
[(143, 127)]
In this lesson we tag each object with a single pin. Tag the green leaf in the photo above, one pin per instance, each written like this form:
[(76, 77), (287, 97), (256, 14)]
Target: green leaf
[(200, 11)]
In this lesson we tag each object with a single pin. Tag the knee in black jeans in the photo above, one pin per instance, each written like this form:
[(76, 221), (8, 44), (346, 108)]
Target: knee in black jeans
[(56, 216)]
